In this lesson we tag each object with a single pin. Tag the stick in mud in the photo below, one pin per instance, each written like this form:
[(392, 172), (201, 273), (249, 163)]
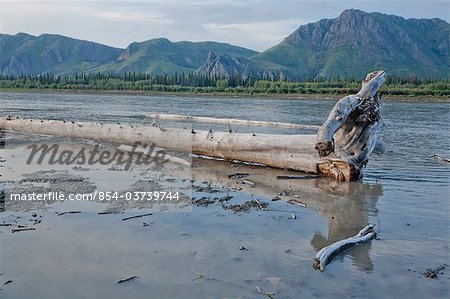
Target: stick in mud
[(297, 203), (268, 294), (15, 230), (297, 177), (251, 184), (238, 175), (137, 216), (126, 279), (207, 278), (69, 212)]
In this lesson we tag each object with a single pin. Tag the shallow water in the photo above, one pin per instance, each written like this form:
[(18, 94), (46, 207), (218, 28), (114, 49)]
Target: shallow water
[(404, 192)]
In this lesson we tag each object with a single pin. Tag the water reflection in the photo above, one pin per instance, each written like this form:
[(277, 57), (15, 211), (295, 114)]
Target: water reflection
[(346, 206), (349, 214)]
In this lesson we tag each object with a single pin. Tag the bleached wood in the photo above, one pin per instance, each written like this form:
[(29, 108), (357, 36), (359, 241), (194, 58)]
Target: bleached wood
[(322, 257), (354, 129), (282, 151), (167, 157), (229, 121)]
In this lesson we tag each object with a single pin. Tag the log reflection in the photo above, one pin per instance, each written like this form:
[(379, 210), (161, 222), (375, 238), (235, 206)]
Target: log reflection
[(346, 206)]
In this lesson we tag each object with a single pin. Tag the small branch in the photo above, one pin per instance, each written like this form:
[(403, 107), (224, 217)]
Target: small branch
[(105, 213), (281, 211), (69, 212), (238, 175), (322, 257), (15, 230), (207, 278), (201, 276), (127, 279), (297, 203), (297, 177), (245, 182), (137, 216), (270, 295)]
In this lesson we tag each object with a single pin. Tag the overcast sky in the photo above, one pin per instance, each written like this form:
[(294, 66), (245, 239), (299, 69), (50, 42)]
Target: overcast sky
[(255, 24)]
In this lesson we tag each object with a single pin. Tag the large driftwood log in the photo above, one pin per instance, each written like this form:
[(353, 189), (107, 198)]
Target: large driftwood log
[(282, 151), (346, 139)]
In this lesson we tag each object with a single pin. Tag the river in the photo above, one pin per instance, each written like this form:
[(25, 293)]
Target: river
[(405, 193)]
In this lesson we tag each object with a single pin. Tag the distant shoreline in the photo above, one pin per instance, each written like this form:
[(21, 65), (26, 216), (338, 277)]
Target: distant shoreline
[(316, 96)]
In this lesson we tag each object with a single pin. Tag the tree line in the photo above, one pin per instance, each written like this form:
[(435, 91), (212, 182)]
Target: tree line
[(198, 83)]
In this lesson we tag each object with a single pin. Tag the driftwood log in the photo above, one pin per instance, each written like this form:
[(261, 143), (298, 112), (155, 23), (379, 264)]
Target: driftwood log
[(344, 142), (228, 121), (323, 256)]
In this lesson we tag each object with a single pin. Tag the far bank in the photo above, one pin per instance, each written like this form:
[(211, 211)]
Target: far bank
[(292, 96)]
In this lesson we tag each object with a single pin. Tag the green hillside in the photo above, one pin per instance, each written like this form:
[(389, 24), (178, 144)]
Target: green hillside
[(27, 54), (160, 55), (358, 42)]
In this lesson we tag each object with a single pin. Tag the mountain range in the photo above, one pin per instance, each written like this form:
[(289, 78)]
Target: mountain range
[(352, 44)]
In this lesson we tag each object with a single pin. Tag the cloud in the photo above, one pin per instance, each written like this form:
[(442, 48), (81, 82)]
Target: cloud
[(262, 33), (256, 24), (133, 17)]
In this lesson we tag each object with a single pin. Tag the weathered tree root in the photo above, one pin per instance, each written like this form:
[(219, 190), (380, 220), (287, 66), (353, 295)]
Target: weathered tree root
[(354, 129), (323, 256)]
